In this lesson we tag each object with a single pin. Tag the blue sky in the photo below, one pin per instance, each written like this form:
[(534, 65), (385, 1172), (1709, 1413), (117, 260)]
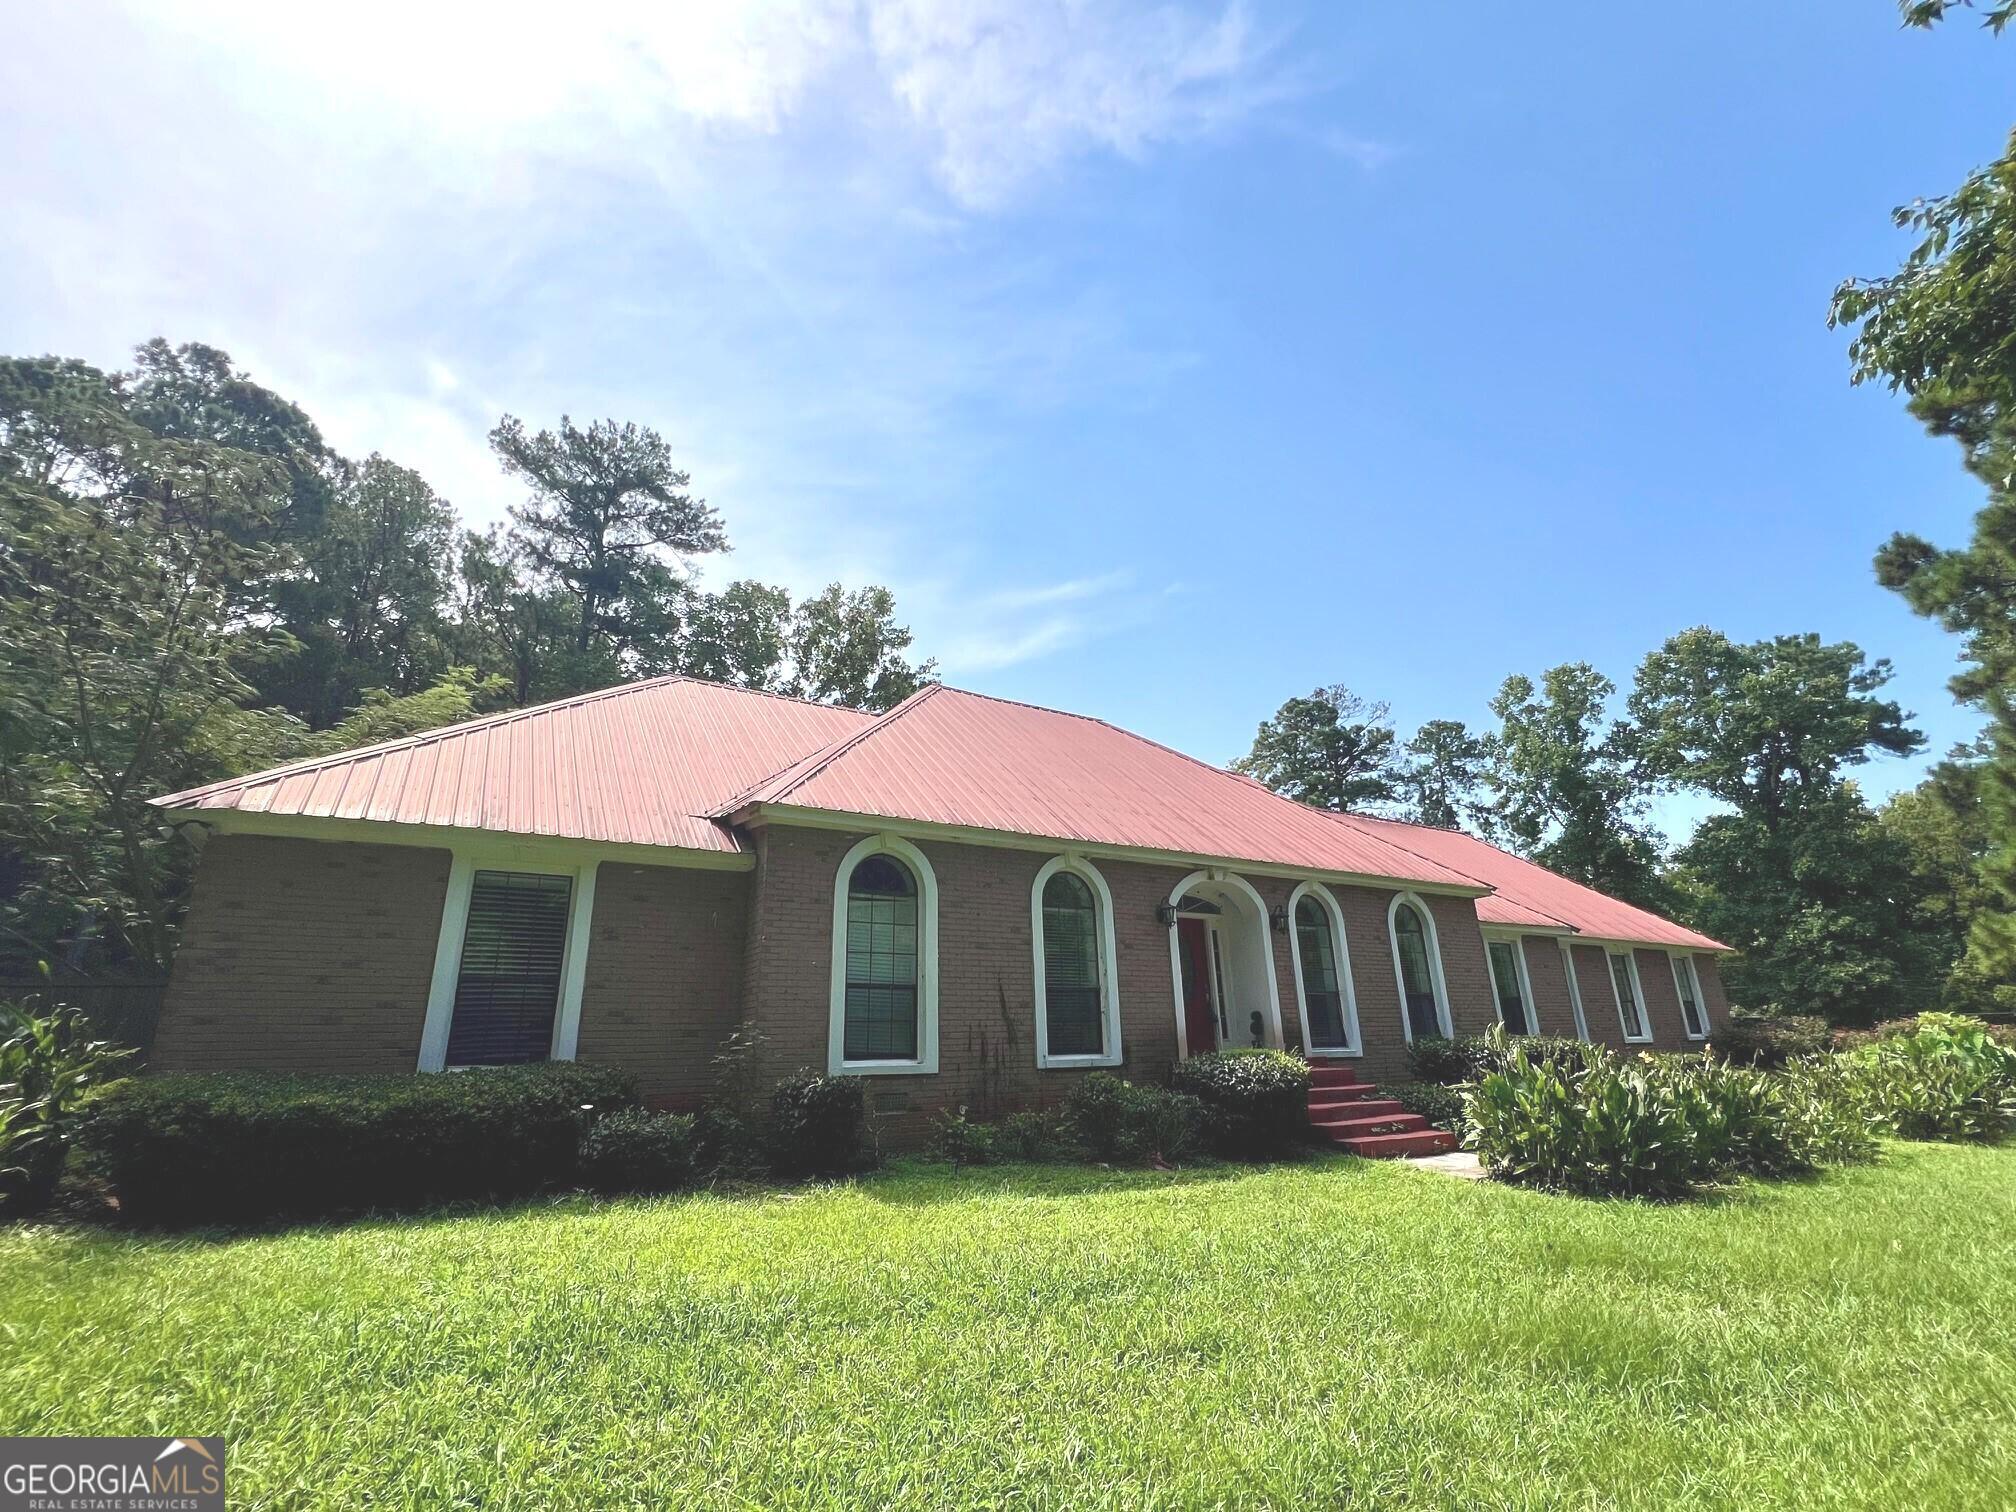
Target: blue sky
[(1166, 360)]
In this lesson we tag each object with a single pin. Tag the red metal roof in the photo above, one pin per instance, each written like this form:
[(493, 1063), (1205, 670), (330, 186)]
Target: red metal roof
[(668, 761), (1532, 896), (644, 764), (967, 760)]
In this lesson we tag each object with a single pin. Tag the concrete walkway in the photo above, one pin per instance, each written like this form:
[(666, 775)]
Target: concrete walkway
[(1459, 1163)]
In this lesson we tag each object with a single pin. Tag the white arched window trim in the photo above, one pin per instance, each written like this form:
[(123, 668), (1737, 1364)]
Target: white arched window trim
[(927, 962), (1434, 964), (1109, 980), (1328, 903), (1524, 980), (1574, 991)]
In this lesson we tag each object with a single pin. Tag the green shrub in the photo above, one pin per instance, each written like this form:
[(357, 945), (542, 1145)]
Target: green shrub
[(728, 1144), (959, 1140), (1819, 1100), (1468, 1058), (1256, 1102), (819, 1126), (1770, 1042), (1945, 1077), (1124, 1122), (633, 1150), (1608, 1128), (1032, 1136), (1441, 1106), (50, 1062), (248, 1147)]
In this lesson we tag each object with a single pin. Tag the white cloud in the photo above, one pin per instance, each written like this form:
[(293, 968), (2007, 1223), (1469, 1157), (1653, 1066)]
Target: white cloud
[(781, 234)]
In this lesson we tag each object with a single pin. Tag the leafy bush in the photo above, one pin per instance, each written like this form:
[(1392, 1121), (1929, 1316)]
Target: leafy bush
[(1770, 1042), (1856, 1039), (1032, 1136), (247, 1147), (1256, 1102), (1607, 1128), (958, 1139), (1946, 1077), (819, 1125), (632, 1150), (1660, 1126), (1130, 1124), (1468, 1058), (1441, 1106), (49, 1063)]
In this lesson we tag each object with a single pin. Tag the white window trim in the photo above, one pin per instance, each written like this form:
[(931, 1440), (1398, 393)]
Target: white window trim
[(1340, 945), (1518, 944), (462, 871), (1575, 990), (1680, 960), (1637, 991), (1109, 983), (1434, 966), (926, 1062), (1272, 1023)]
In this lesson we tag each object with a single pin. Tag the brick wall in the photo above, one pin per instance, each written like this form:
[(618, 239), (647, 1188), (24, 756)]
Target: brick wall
[(664, 981), (303, 955), (986, 986)]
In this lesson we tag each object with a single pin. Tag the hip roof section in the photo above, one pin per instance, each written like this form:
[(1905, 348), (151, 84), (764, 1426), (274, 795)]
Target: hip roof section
[(673, 762), (968, 761), (643, 764), (1529, 896)]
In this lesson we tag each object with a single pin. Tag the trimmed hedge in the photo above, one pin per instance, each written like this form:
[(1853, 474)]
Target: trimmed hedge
[(239, 1147), (635, 1151), (1256, 1102), (1768, 1043)]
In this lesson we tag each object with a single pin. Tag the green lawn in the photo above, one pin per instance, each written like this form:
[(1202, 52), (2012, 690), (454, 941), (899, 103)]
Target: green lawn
[(1341, 1333)]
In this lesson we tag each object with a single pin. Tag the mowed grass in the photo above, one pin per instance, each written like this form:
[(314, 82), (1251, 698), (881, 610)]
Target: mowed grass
[(1333, 1334)]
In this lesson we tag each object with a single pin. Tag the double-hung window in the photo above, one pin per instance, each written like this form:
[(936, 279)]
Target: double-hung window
[(1077, 998), (1693, 1017), (1510, 987), (1630, 1001)]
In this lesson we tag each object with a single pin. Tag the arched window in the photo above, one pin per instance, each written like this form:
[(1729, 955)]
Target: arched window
[(884, 974), (1077, 1001), (1323, 973), (1418, 966)]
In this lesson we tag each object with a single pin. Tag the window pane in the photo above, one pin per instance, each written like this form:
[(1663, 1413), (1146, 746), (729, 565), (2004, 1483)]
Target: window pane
[(509, 984), (1690, 1002), (1417, 983), (1634, 1017), (881, 1010), (1505, 973), (1324, 1003), (1074, 1013)]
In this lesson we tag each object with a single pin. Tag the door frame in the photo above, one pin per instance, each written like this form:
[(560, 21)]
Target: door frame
[(1245, 900)]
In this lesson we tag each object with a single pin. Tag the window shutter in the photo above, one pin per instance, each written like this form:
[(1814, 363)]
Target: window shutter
[(509, 986)]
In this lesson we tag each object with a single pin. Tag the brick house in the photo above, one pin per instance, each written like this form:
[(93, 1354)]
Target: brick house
[(968, 900)]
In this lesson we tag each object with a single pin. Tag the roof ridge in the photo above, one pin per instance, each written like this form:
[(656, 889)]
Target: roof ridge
[(1344, 817), (815, 762)]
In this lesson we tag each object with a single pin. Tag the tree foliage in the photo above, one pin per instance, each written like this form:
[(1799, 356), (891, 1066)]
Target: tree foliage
[(1331, 749), (194, 585), (1567, 794), (1444, 777), (1942, 328), (1820, 898)]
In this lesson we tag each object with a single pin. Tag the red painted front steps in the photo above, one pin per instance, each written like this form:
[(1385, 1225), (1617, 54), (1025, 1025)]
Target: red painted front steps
[(1355, 1117)]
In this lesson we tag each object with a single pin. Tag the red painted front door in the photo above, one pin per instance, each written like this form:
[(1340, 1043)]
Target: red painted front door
[(1200, 1015)]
